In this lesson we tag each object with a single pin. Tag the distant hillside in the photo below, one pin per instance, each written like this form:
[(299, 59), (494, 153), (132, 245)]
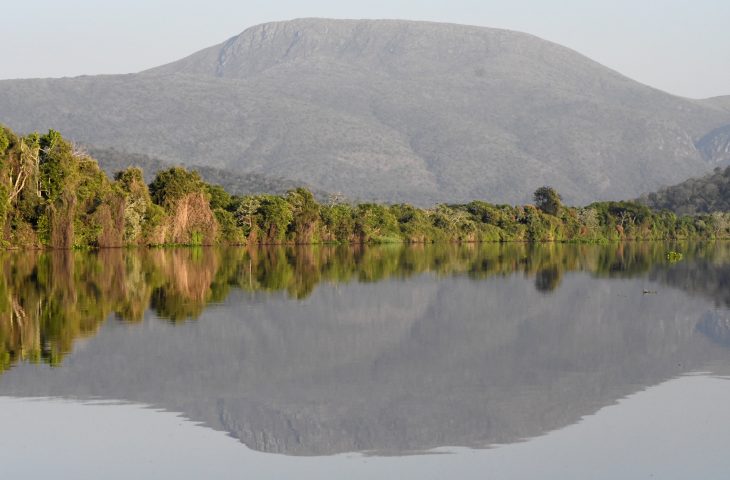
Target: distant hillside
[(710, 193), (112, 161), (392, 111), (722, 102)]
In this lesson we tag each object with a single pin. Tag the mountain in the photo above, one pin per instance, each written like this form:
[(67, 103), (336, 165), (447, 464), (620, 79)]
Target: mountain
[(112, 161), (721, 102), (391, 111), (710, 193)]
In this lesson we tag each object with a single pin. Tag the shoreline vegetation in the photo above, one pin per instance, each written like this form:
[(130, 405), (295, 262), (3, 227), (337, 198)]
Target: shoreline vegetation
[(54, 195)]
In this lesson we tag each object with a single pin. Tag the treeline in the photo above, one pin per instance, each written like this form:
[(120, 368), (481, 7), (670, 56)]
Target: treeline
[(707, 194), (53, 194)]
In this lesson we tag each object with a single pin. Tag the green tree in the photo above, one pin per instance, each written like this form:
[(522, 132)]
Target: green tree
[(219, 198), (55, 164), (338, 221), (306, 215), (275, 215), (547, 200), (174, 183)]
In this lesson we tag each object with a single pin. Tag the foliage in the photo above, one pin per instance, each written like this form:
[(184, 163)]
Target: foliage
[(137, 204), (52, 194), (273, 218), (547, 200), (55, 164), (707, 194), (174, 183), (229, 232), (305, 215), (245, 212), (219, 198), (338, 222), (375, 223), (4, 139)]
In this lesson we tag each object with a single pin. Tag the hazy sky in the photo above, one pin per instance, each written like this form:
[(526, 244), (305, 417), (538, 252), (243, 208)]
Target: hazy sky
[(681, 46)]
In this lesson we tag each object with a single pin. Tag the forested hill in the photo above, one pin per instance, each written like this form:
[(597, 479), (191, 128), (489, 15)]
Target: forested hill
[(112, 160), (392, 111), (710, 193)]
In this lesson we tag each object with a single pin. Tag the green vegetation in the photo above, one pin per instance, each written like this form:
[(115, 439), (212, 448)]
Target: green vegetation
[(548, 200), (54, 195), (707, 194)]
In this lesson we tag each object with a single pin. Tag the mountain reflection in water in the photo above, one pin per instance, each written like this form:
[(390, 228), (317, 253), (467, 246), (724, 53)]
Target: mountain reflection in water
[(393, 349)]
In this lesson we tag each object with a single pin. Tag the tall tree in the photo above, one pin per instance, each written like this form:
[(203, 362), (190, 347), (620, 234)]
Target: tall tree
[(548, 200)]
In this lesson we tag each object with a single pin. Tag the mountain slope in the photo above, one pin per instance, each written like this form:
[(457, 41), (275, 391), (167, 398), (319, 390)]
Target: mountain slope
[(722, 102), (112, 161), (390, 110)]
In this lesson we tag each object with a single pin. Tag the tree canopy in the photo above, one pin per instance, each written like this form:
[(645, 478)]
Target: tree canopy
[(707, 194), (547, 200), (53, 194)]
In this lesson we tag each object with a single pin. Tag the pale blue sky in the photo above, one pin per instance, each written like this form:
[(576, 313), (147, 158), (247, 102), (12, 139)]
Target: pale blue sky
[(681, 46)]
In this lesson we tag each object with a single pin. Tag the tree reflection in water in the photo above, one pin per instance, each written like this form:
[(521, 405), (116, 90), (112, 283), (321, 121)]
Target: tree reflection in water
[(50, 299)]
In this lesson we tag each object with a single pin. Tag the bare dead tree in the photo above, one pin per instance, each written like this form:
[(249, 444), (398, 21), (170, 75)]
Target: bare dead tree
[(28, 166), (79, 152), (625, 218)]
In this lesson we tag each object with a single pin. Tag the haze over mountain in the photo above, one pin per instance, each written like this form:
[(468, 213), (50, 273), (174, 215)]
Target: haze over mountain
[(393, 111)]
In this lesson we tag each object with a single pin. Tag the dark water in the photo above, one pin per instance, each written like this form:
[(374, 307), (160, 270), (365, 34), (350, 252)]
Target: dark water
[(477, 361)]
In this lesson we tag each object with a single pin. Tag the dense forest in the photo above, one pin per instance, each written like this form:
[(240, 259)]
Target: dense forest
[(707, 194), (54, 195)]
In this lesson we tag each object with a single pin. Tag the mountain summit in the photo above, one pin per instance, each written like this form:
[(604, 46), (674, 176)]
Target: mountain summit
[(394, 111)]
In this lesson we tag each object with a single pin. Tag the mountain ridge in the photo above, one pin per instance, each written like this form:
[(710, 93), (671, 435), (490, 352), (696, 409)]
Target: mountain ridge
[(391, 111)]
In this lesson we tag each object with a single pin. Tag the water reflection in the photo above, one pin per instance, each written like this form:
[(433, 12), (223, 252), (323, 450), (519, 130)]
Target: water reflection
[(322, 350), (680, 424)]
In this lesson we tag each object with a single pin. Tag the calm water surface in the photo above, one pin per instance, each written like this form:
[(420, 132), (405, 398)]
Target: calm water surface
[(477, 361)]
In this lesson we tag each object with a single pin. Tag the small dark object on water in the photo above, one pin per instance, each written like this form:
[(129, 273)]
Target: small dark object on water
[(650, 292)]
